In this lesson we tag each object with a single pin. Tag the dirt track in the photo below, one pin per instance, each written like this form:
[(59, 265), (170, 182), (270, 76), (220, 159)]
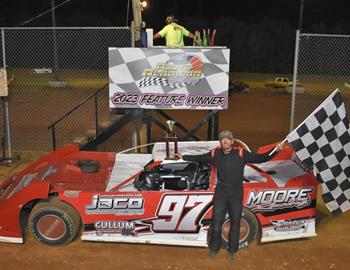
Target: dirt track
[(258, 118)]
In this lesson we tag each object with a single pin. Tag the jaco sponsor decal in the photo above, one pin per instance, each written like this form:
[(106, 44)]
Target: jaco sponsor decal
[(118, 205)]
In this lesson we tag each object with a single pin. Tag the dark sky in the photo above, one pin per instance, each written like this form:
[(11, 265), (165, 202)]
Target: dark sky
[(113, 12)]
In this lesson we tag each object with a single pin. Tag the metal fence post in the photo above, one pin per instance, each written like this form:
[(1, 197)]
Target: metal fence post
[(7, 115), (216, 125), (53, 134), (54, 39), (96, 115), (210, 128), (149, 130), (295, 71), (132, 38)]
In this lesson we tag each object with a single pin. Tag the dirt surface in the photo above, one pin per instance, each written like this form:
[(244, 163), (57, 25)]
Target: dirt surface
[(258, 118)]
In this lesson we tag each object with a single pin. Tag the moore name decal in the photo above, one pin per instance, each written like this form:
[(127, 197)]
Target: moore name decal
[(115, 205), (270, 200)]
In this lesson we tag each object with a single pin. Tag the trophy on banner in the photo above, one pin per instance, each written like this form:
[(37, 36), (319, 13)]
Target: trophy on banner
[(170, 137)]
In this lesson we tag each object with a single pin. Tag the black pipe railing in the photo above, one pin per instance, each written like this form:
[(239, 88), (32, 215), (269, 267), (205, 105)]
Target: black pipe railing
[(52, 127), (128, 117)]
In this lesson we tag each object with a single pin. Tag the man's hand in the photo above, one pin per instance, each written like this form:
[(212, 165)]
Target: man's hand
[(281, 145), (177, 156), (156, 36)]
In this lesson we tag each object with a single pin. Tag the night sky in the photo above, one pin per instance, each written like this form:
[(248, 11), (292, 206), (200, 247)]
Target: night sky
[(113, 12), (260, 34)]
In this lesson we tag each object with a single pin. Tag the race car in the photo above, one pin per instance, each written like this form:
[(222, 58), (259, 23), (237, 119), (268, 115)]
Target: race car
[(146, 198)]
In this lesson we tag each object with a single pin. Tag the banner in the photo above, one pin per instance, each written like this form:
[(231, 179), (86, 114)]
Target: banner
[(169, 78)]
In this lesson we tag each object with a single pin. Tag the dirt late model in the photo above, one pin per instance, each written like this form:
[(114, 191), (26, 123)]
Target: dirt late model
[(144, 198)]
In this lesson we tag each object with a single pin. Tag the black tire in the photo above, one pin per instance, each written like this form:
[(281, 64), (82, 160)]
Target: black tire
[(54, 222), (248, 230)]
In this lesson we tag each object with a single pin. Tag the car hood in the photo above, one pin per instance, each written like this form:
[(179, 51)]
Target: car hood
[(60, 170)]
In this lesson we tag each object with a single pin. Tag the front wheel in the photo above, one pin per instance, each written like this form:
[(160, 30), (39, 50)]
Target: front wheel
[(54, 222)]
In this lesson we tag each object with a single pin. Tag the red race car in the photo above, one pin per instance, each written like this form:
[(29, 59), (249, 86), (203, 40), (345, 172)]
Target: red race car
[(144, 198)]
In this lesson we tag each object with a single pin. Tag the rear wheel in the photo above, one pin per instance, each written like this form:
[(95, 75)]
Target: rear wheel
[(54, 222), (248, 229)]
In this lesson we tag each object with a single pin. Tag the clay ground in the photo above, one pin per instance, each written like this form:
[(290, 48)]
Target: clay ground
[(260, 117)]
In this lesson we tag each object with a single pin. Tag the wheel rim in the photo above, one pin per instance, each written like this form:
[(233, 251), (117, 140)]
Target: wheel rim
[(243, 230), (51, 227)]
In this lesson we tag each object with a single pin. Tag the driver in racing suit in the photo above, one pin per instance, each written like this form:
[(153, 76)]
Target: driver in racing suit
[(229, 163)]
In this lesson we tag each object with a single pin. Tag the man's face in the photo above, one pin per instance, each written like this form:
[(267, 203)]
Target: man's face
[(226, 143), (168, 20)]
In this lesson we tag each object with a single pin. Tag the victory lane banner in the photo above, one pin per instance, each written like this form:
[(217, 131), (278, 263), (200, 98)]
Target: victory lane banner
[(169, 78)]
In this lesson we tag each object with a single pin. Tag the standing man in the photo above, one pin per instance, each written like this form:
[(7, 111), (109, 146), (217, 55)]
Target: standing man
[(173, 33), (229, 163)]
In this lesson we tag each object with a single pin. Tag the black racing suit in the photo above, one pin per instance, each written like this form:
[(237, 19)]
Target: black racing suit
[(228, 194)]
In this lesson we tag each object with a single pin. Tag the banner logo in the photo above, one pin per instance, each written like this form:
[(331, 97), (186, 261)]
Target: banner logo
[(179, 71)]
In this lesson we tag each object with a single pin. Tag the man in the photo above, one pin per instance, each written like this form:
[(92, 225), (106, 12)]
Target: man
[(229, 163), (173, 33)]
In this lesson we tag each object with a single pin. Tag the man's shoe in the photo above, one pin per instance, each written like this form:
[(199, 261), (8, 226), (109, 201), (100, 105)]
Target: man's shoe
[(212, 253), (231, 256)]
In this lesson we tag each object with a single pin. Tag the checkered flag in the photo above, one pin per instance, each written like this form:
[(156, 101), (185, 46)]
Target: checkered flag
[(149, 81), (322, 142)]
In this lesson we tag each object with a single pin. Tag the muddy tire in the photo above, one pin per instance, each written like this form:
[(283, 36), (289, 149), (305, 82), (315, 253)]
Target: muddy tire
[(54, 222)]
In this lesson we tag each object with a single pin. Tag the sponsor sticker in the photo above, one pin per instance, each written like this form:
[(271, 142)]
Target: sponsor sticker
[(115, 227), (50, 170), (116, 205), (271, 200), (289, 225), (25, 181), (71, 193)]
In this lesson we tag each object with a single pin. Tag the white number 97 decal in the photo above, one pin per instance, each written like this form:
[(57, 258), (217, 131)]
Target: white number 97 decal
[(181, 213)]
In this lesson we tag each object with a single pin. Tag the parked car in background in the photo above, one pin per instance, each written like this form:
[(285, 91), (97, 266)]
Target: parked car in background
[(238, 87), (279, 82)]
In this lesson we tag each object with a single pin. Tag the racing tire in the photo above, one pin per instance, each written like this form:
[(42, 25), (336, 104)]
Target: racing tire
[(54, 222), (248, 229)]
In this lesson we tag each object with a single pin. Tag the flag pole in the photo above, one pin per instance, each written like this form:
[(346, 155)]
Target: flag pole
[(275, 149)]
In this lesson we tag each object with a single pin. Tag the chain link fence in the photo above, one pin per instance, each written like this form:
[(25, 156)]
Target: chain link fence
[(54, 69), (323, 65)]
